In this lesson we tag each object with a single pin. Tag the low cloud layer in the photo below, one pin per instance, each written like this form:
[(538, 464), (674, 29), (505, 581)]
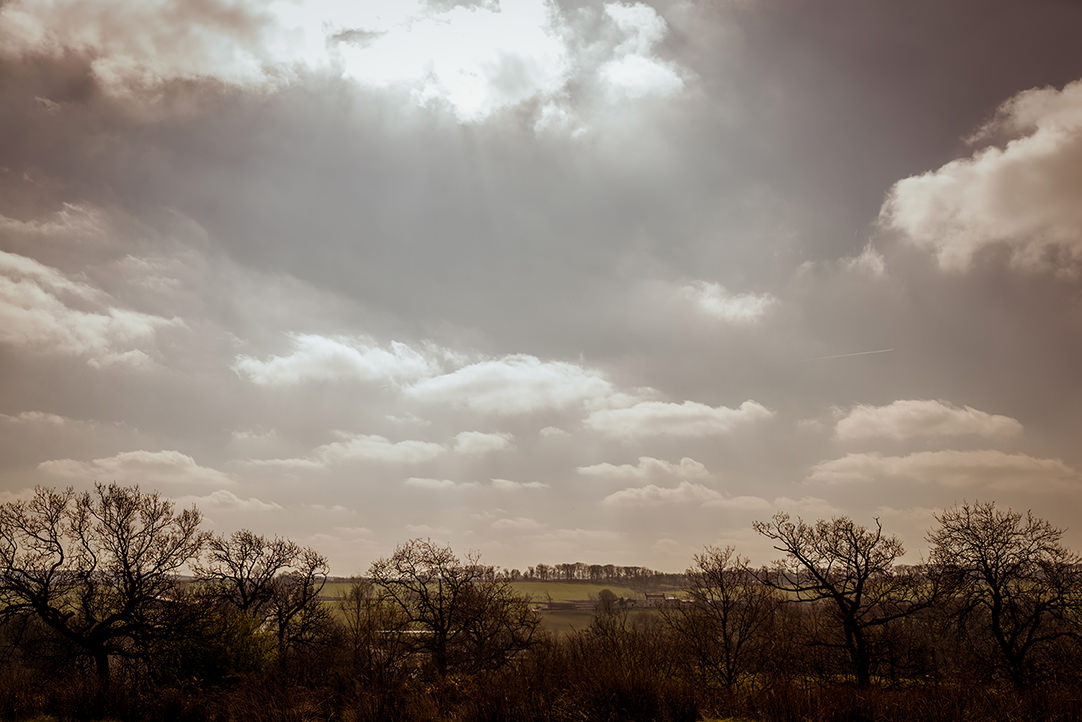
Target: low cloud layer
[(166, 470), (689, 418), (910, 419), (981, 470), (318, 358)]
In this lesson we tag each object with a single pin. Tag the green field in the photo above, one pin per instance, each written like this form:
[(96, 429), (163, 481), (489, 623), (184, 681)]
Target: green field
[(536, 591), (570, 591), (556, 621)]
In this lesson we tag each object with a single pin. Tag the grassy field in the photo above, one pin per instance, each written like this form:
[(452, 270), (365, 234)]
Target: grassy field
[(536, 591), (557, 621), (570, 591)]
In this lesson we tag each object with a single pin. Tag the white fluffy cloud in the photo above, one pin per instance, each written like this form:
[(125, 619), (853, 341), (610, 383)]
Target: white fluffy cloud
[(518, 525), (516, 384), (653, 418), (372, 447), (149, 469), (646, 467), (713, 300), (959, 469), (439, 484), (1023, 195), (321, 358), (225, 500), (42, 308), (475, 59), (905, 419), (509, 485), (351, 448), (478, 442), (37, 419), (635, 72), (684, 493)]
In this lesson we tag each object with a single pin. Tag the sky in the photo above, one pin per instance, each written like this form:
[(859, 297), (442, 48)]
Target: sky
[(547, 280)]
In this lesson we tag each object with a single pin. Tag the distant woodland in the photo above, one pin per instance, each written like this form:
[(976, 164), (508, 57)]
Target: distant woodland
[(115, 604)]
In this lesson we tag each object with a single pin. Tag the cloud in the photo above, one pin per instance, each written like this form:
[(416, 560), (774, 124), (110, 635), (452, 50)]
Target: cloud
[(636, 76), (321, 358), (684, 493), (372, 447), (477, 60), (375, 448), (145, 43), (8, 496), (509, 485), (429, 531), (515, 384), (439, 484), (956, 469), (473, 59), (225, 500), (647, 467), (449, 485), (477, 442), (329, 509), (1022, 196), (518, 524), (651, 418), (43, 309), (635, 72), (905, 419), (808, 506), (38, 419), (713, 300), (869, 262), (149, 469)]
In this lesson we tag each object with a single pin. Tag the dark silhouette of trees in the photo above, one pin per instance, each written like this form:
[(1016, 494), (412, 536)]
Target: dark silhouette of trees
[(458, 613), (850, 568), (99, 620), (374, 629), (1012, 571), (98, 567), (241, 568), (725, 616), (274, 580)]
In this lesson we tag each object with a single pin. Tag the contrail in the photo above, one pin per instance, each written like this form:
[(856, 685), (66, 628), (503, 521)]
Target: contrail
[(847, 355)]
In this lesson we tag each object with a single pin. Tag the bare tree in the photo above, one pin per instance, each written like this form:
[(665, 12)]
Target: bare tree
[(294, 604), (851, 568), (374, 629), (725, 615), (275, 580), (1013, 570), (458, 613), (96, 567), (241, 568)]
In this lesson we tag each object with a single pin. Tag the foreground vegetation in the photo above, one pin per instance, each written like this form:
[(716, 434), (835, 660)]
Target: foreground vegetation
[(96, 622)]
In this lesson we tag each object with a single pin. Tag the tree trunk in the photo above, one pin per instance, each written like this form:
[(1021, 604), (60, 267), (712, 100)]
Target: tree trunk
[(101, 666), (863, 668), (860, 656)]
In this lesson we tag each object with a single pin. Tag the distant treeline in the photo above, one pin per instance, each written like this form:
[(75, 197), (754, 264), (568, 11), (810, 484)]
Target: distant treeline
[(595, 573), (116, 605)]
